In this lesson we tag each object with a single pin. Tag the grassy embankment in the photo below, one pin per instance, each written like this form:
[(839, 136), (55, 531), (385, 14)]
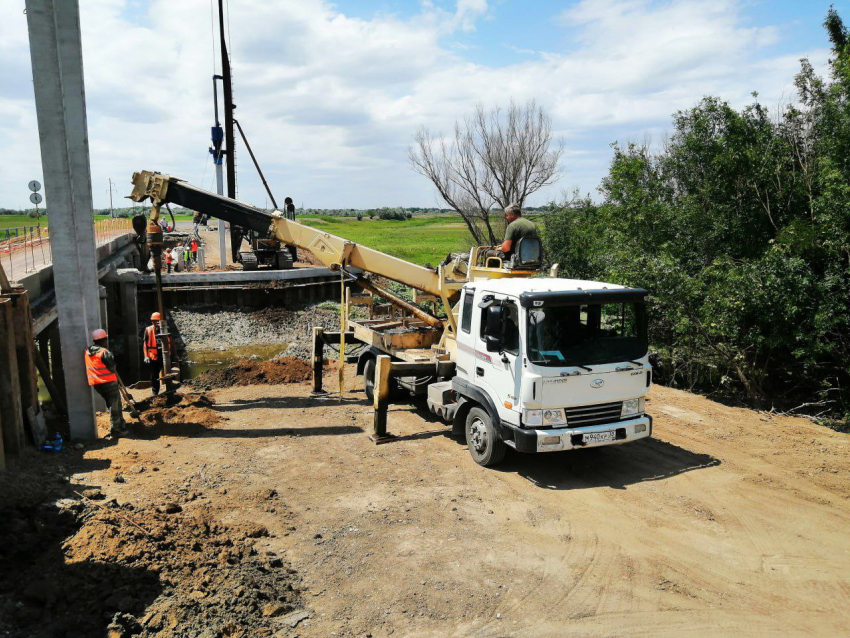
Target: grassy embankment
[(420, 240)]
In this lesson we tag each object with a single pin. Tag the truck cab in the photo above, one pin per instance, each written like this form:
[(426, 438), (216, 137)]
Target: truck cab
[(545, 364)]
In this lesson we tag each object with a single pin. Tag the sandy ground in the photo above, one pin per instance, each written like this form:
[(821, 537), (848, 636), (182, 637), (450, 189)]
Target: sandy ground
[(727, 523)]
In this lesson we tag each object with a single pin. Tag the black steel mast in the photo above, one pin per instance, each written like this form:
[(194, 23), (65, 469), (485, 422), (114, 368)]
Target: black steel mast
[(227, 86), (229, 138)]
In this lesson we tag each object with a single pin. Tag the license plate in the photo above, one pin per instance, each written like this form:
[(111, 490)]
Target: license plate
[(599, 437)]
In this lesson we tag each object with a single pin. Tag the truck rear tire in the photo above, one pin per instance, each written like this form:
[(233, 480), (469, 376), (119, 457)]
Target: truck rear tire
[(484, 444), (369, 379)]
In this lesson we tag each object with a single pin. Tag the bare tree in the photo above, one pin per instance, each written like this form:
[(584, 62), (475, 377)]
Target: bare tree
[(496, 158)]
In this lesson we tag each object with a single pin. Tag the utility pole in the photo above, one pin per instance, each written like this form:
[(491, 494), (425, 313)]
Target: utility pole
[(111, 210)]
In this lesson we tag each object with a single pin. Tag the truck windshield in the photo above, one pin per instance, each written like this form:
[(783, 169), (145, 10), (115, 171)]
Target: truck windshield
[(587, 334)]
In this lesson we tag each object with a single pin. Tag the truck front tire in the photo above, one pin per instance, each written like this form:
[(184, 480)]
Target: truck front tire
[(484, 444)]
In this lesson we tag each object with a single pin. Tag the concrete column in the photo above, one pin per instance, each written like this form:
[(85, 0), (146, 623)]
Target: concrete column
[(57, 67), (130, 328)]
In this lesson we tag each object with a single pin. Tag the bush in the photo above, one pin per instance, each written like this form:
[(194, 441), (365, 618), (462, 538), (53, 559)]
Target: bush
[(740, 230)]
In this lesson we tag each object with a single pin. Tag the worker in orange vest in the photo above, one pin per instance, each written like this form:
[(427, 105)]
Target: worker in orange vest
[(153, 352), (100, 370), (169, 259), (194, 247)]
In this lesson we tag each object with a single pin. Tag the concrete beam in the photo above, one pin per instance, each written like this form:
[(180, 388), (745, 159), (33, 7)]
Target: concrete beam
[(217, 277), (57, 66)]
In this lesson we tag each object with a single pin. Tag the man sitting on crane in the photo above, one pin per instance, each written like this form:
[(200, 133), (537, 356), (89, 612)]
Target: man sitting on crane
[(517, 228)]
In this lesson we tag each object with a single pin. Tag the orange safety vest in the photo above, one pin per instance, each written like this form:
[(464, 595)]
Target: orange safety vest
[(96, 370), (194, 246), (151, 343), (168, 258)]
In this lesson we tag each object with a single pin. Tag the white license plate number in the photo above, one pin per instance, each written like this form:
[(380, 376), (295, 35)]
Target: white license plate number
[(599, 437)]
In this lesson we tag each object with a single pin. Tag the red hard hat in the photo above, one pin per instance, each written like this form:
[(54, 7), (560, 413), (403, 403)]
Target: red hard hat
[(156, 317), (99, 334)]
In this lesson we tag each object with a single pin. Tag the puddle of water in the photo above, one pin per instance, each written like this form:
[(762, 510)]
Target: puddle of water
[(200, 360)]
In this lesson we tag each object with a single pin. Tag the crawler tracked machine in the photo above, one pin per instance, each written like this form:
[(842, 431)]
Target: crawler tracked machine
[(511, 359)]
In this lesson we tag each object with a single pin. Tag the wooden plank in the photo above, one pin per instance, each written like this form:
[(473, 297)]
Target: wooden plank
[(5, 286), (10, 387), (25, 348), (2, 453), (37, 427)]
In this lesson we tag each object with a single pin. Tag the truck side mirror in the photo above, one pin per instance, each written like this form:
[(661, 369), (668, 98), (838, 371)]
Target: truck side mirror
[(493, 328), (494, 344)]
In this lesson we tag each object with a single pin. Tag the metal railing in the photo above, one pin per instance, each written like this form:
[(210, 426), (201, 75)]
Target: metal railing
[(23, 249)]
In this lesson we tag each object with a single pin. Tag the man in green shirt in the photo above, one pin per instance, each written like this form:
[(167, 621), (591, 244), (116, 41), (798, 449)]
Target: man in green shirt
[(518, 227)]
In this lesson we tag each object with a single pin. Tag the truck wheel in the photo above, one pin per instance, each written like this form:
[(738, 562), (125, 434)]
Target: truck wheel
[(484, 444), (369, 379)]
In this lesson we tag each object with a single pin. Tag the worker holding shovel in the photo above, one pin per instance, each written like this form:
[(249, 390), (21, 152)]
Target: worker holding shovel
[(102, 376)]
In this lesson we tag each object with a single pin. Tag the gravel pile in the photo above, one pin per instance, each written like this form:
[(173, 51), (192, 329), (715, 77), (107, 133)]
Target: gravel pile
[(212, 328)]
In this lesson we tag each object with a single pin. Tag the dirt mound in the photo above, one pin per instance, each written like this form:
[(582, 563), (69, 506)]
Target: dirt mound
[(145, 572), (250, 372), (181, 414)]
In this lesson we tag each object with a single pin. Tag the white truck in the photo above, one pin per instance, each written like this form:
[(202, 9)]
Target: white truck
[(546, 364), (537, 364)]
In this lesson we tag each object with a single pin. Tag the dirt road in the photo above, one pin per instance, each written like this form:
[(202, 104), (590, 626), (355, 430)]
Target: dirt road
[(727, 523)]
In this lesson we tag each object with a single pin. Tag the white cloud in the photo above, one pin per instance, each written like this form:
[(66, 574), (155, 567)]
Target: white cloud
[(330, 102)]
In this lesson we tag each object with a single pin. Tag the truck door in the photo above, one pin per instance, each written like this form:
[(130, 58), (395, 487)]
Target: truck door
[(500, 373), (465, 359)]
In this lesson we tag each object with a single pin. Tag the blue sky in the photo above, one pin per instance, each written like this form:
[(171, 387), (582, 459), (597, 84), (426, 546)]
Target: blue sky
[(331, 94)]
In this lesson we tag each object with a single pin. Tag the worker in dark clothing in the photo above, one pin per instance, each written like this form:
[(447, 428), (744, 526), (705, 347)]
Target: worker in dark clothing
[(100, 370), (517, 228), (153, 352)]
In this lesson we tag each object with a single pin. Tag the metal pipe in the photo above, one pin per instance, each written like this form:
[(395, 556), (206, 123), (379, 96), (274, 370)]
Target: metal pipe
[(416, 311), (256, 164)]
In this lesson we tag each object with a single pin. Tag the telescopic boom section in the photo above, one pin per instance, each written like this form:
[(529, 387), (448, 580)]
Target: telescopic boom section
[(334, 252)]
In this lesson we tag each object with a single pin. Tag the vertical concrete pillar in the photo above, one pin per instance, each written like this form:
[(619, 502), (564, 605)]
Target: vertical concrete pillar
[(57, 68), (130, 329)]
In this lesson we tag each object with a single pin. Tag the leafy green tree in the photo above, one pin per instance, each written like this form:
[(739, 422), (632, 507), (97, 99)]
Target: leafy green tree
[(740, 229)]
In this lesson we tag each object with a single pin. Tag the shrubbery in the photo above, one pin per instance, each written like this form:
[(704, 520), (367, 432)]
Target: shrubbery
[(740, 230)]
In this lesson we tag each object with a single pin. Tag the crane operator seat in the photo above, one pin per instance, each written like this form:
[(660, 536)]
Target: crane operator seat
[(527, 254)]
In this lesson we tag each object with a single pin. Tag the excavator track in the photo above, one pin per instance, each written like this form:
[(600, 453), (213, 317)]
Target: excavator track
[(249, 261)]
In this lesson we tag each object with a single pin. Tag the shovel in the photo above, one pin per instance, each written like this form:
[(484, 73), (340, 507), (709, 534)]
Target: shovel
[(125, 394)]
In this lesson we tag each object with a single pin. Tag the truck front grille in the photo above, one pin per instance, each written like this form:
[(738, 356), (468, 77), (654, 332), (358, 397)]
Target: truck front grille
[(585, 415)]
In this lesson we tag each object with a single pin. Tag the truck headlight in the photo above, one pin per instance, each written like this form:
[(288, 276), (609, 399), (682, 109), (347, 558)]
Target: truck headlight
[(532, 417), (632, 407), (554, 417)]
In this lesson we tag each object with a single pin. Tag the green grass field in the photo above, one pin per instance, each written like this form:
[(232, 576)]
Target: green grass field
[(18, 221), (420, 240)]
